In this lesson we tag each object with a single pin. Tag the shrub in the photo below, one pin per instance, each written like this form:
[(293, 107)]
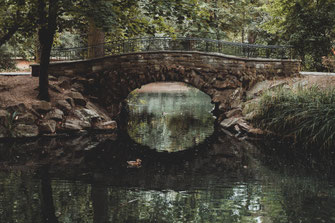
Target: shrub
[(329, 63), (306, 115), (6, 62)]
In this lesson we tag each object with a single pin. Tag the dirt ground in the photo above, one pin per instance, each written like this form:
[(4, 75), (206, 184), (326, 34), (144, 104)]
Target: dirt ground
[(23, 89)]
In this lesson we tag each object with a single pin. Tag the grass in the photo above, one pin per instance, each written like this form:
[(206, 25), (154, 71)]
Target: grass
[(307, 115)]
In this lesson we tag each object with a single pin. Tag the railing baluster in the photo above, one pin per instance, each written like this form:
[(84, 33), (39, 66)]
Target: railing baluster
[(167, 43)]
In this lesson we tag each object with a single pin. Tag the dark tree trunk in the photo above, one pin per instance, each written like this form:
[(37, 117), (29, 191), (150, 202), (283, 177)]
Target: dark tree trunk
[(47, 204), (96, 38), (47, 30), (99, 195)]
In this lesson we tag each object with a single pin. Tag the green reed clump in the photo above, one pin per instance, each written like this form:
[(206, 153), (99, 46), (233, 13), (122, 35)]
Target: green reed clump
[(305, 114)]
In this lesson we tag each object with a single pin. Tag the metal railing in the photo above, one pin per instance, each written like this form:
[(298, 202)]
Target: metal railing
[(173, 44)]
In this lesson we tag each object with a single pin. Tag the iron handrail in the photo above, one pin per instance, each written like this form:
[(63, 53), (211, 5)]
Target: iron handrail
[(172, 44)]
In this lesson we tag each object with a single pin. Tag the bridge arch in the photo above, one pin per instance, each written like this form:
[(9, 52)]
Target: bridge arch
[(223, 77)]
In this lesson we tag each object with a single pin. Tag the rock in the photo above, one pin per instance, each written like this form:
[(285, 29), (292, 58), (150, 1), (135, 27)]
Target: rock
[(64, 106), (75, 125), (243, 125), (110, 125), (17, 108), (233, 113), (52, 78), (70, 101), (103, 114), (87, 115), (4, 115), (23, 130), (55, 114), (26, 118), (47, 126), (42, 106), (250, 116), (229, 122), (56, 88), (256, 131), (3, 132), (77, 97), (64, 83)]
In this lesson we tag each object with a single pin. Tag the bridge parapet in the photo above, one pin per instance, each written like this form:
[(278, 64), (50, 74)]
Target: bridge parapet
[(173, 44)]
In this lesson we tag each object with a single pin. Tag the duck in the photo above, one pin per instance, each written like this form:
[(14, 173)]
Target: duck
[(132, 164)]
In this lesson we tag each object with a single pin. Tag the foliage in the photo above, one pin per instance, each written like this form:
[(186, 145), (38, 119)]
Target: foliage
[(329, 62), (308, 25), (16, 16), (6, 62), (305, 114)]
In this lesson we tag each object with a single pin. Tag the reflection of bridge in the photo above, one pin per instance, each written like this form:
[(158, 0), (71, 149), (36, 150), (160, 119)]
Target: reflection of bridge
[(137, 62), (174, 44)]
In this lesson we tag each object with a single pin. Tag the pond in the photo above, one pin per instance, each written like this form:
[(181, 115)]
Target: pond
[(218, 178)]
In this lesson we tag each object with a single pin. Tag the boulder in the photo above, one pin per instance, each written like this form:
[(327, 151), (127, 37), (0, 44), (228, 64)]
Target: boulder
[(64, 82), (75, 125), (26, 118), (56, 88), (234, 113), (55, 114), (17, 108), (47, 126), (42, 107), (77, 97), (87, 115), (3, 132), (110, 125), (256, 131), (103, 114), (3, 117), (23, 130), (229, 122), (64, 106)]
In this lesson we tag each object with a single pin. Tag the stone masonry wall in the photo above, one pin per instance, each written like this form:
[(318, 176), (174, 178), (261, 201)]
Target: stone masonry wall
[(224, 78)]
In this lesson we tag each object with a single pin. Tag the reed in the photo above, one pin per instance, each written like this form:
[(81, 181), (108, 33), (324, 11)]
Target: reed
[(307, 115)]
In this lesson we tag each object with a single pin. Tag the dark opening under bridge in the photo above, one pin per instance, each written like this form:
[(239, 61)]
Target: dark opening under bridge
[(221, 69)]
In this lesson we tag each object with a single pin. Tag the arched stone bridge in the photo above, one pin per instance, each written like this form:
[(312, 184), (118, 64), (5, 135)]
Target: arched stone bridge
[(224, 78)]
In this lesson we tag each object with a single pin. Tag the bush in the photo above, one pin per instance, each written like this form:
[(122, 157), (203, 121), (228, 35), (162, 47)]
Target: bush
[(305, 115), (329, 63), (6, 62)]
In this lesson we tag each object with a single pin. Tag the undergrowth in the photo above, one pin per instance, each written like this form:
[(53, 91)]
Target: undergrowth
[(307, 115)]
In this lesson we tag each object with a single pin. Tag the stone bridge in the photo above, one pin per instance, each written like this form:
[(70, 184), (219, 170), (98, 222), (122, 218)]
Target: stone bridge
[(223, 77)]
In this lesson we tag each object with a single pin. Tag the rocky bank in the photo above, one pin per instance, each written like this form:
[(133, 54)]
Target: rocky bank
[(68, 112)]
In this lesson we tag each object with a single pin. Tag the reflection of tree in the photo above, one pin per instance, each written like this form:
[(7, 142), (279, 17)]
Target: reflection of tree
[(47, 204), (100, 203), (170, 121)]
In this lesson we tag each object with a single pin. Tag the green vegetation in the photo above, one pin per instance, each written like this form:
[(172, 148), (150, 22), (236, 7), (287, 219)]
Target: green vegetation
[(305, 114)]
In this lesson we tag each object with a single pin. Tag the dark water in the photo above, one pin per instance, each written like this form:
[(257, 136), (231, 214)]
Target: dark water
[(218, 179)]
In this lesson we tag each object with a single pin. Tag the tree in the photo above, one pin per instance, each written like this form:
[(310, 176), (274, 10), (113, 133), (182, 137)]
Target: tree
[(308, 25), (47, 22), (15, 15)]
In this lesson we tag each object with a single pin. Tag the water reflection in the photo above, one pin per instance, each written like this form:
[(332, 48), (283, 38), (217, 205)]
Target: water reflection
[(171, 121), (222, 179)]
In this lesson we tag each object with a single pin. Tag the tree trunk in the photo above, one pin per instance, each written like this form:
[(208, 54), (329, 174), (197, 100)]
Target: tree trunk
[(96, 38), (47, 204), (46, 34)]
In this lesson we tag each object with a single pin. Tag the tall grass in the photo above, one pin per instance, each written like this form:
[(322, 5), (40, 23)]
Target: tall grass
[(305, 115)]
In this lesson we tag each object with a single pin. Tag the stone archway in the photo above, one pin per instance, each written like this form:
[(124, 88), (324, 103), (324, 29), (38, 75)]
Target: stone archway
[(224, 78), (112, 87)]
